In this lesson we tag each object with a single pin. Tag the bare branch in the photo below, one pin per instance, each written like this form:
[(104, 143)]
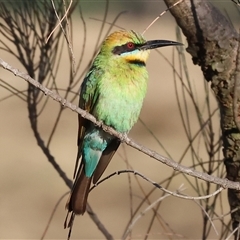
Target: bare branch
[(225, 183)]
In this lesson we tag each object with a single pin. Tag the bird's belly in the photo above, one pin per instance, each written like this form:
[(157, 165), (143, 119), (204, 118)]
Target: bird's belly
[(119, 112)]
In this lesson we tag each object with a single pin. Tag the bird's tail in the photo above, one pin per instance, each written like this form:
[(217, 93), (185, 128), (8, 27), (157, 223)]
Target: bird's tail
[(78, 198)]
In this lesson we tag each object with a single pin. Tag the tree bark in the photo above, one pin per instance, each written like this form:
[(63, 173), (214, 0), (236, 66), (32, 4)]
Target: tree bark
[(214, 45)]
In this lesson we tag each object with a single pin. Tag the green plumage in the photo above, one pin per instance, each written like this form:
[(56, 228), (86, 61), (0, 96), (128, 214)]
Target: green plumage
[(117, 92), (113, 91)]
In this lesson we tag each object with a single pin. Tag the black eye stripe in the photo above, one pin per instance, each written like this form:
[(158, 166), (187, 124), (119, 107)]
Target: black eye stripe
[(118, 50)]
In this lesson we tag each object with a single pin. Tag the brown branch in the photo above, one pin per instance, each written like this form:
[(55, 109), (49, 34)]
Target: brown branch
[(213, 44), (123, 137)]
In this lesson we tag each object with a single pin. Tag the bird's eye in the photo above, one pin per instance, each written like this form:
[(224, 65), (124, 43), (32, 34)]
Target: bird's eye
[(130, 45)]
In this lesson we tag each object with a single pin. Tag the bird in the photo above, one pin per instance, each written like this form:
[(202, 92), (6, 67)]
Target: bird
[(112, 91)]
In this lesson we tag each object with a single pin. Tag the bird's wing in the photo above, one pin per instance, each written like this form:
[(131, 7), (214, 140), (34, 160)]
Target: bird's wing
[(105, 159), (87, 100)]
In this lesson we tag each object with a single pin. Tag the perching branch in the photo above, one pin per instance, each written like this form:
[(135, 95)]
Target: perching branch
[(225, 183)]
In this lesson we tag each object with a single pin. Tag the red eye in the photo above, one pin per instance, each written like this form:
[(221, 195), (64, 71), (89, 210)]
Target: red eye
[(130, 45)]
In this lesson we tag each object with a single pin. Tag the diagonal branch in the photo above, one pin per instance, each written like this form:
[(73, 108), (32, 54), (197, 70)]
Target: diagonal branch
[(123, 137)]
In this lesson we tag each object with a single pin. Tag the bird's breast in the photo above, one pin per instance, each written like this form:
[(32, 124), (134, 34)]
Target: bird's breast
[(120, 100)]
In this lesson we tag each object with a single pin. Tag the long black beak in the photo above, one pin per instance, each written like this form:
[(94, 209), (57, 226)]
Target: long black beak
[(158, 43)]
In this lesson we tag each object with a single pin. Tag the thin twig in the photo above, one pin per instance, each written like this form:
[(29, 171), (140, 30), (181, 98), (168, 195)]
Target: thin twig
[(157, 185), (160, 16)]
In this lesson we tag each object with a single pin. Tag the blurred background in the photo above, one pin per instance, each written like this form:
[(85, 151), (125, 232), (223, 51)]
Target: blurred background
[(29, 185)]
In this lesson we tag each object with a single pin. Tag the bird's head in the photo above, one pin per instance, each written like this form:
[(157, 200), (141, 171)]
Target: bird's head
[(131, 46)]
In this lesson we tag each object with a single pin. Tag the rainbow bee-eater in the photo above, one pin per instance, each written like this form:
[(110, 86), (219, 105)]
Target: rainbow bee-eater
[(113, 91)]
